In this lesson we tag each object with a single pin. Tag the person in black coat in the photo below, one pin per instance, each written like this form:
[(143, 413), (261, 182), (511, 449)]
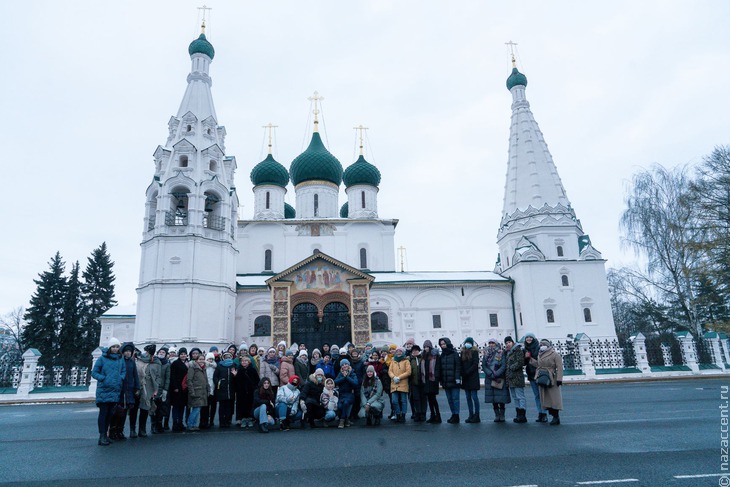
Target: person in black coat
[(309, 398), (470, 378), (247, 379), (430, 370), (450, 377), (263, 404), (179, 389), (532, 350), (225, 389)]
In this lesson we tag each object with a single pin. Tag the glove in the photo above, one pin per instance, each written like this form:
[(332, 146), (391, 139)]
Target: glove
[(164, 396), (458, 382), (560, 383), (396, 379)]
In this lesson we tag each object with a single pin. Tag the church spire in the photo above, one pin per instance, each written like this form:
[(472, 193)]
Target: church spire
[(532, 178), (198, 99)]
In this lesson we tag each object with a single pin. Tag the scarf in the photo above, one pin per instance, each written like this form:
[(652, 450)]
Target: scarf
[(489, 354), (398, 358), (428, 367), (272, 361), (314, 361)]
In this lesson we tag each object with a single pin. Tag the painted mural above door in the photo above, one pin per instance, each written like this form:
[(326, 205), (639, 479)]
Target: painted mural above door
[(321, 277)]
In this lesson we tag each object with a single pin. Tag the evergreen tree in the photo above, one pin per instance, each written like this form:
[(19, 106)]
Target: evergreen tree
[(73, 315), (98, 296), (44, 316)]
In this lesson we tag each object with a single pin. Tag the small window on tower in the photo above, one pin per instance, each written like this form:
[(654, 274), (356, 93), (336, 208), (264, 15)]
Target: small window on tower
[(560, 250), (316, 205), (564, 280), (190, 128), (587, 315), (493, 320), (550, 315), (268, 200), (183, 161), (267, 260), (363, 258), (436, 321), (213, 166), (362, 195)]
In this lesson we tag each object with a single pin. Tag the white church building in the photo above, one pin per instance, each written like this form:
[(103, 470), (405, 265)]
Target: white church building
[(325, 270)]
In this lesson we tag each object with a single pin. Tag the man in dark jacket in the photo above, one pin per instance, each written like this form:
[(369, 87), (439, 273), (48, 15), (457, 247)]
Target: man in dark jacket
[(179, 389), (532, 349), (309, 398), (130, 390), (451, 377), (515, 377)]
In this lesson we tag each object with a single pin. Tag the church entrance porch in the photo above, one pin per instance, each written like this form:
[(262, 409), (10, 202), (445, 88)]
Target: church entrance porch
[(313, 329)]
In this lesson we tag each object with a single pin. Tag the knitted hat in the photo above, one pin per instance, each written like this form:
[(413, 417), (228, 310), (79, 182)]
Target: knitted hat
[(319, 372), (281, 343), (547, 342), (213, 349), (151, 348), (271, 349), (127, 346), (428, 344), (410, 341), (303, 353), (469, 340), (343, 351), (392, 347), (384, 348), (493, 340), (316, 350), (172, 350), (293, 378), (164, 348), (334, 347), (193, 350), (289, 353), (243, 346), (228, 354), (209, 356), (113, 342), (400, 349), (508, 339), (370, 369), (329, 380), (344, 362), (182, 350)]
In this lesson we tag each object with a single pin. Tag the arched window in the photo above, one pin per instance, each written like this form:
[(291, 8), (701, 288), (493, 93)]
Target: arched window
[(183, 161), (560, 250), (267, 260), (379, 322), (363, 258), (362, 197), (550, 316), (212, 217), (587, 315), (564, 280), (213, 165), (262, 326), (316, 205), (178, 213), (268, 199), (190, 128)]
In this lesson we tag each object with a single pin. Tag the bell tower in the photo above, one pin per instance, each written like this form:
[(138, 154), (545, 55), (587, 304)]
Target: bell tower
[(187, 287)]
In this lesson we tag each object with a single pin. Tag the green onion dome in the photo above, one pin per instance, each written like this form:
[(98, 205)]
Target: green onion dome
[(345, 210), (201, 46), (269, 171), (515, 79), (316, 163), (361, 172), (289, 211)]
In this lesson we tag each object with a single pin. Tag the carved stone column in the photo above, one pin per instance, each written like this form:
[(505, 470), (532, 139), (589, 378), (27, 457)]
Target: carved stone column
[(30, 364), (280, 316), (642, 362), (360, 314)]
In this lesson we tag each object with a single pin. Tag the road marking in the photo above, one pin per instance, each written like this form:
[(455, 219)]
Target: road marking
[(698, 476), (615, 481)]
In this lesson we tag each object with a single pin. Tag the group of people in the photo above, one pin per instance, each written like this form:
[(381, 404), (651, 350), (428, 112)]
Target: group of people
[(331, 387)]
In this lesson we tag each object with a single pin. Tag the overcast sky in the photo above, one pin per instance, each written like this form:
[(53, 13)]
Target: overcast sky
[(88, 88)]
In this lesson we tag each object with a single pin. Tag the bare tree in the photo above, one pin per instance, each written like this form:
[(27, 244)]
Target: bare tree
[(12, 324)]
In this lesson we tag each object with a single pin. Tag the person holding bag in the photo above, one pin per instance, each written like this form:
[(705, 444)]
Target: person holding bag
[(495, 392), (515, 377), (551, 363)]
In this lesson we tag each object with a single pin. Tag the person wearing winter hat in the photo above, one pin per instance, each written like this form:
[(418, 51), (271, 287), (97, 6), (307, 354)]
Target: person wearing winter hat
[(335, 359), (416, 393), (253, 352), (225, 392), (172, 354), (148, 368), (129, 397), (263, 405), (358, 368), (207, 412), (195, 352), (162, 409), (232, 350), (347, 384), (450, 377), (286, 367), (247, 380), (198, 389), (371, 397), (329, 401), (470, 378), (270, 368), (281, 348), (550, 361), (301, 365), (314, 360), (326, 365), (430, 371), (179, 389), (494, 365), (408, 345), (325, 348), (532, 350), (109, 371), (515, 377), (399, 372), (287, 403), (309, 398)]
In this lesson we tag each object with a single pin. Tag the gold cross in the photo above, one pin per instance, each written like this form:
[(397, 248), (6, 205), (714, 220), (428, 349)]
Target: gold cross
[(202, 25), (270, 126), (361, 129), (512, 51)]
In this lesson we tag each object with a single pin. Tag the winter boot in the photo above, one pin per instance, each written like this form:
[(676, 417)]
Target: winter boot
[(501, 413), (495, 406), (476, 418), (556, 417), (517, 416), (541, 418), (342, 424), (285, 425), (143, 423), (369, 419), (523, 416), (103, 440), (454, 419), (264, 427), (376, 418), (470, 419)]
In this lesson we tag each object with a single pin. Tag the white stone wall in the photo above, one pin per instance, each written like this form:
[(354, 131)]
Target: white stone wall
[(355, 200), (276, 202), (327, 194)]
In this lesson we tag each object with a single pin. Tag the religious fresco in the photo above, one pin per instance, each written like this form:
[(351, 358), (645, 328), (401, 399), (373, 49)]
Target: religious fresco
[(321, 277)]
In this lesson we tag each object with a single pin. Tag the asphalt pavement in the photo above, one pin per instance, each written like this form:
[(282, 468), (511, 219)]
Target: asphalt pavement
[(665, 433)]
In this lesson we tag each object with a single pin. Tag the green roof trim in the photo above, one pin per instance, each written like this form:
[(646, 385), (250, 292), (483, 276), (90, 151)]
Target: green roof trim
[(618, 370), (573, 372), (345, 210), (316, 163), (361, 172), (670, 368), (269, 171), (516, 79), (201, 46)]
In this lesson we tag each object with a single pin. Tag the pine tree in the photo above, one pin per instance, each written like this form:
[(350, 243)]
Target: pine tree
[(73, 315), (45, 313), (98, 296)]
